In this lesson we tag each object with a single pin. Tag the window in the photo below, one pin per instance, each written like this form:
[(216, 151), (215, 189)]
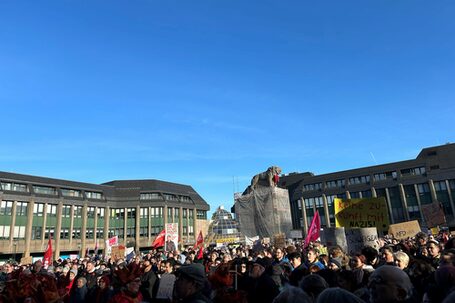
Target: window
[(170, 197), (19, 232), (100, 212), (185, 199), (150, 196), (131, 213), (314, 186), (6, 208), (201, 214), (390, 175), (52, 210), (335, 183), (415, 171), (78, 211), (91, 212), (71, 193), (21, 209), (4, 231), (440, 186), (44, 190), (64, 233), (185, 213), (37, 232), (144, 212), (49, 232), (118, 213), (359, 180), (66, 211), (76, 233), (93, 195), (38, 209), (355, 194), (14, 186)]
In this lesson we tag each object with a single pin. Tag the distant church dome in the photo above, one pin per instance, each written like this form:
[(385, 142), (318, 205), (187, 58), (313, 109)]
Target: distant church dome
[(223, 229)]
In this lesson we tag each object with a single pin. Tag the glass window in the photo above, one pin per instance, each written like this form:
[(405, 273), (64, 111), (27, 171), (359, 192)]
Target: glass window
[(6, 208), (93, 195), (314, 186), (185, 199), (144, 212), (170, 197), (36, 232), (44, 190), (52, 210), (66, 211), (78, 211), (4, 231), (390, 175), (100, 212), (91, 212), (38, 209), (440, 186), (335, 183), (21, 208), (150, 196), (19, 232), (359, 180), (14, 186), (131, 213), (71, 193)]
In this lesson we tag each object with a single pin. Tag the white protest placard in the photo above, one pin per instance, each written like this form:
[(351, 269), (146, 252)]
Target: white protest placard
[(172, 236), (360, 237), (166, 286), (332, 236)]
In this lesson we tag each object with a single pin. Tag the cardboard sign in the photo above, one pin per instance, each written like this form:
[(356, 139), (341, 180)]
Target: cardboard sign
[(118, 252), (404, 230), (332, 236), (26, 260), (360, 237), (362, 213), (296, 234), (433, 214), (166, 287), (172, 236)]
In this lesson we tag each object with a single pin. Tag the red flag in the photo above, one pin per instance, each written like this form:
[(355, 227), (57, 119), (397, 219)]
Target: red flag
[(47, 260), (200, 255), (313, 232), (199, 240), (159, 240)]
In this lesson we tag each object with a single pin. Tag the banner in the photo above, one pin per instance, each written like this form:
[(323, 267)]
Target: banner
[(433, 214), (332, 236), (360, 237), (361, 213), (47, 259), (315, 228), (250, 240), (113, 241), (404, 230), (172, 237)]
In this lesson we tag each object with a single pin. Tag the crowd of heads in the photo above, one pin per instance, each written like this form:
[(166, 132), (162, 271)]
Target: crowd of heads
[(418, 269)]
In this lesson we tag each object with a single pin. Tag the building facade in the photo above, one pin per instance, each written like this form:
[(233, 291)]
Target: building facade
[(406, 186), (78, 215)]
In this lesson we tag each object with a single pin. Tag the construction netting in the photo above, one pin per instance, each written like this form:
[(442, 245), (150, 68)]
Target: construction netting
[(264, 212)]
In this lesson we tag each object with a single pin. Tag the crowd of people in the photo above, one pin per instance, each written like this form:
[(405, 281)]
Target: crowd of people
[(418, 269)]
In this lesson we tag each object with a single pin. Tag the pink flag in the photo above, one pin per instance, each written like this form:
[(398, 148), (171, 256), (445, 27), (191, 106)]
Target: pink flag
[(313, 232)]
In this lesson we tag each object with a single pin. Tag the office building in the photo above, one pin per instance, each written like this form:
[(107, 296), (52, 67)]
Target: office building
[(78, 215), (406, 186)]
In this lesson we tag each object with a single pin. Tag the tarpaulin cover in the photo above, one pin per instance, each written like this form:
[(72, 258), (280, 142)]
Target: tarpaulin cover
[(264, 212)]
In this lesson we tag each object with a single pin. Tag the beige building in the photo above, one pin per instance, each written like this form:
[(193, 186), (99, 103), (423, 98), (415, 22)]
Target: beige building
[(78, 215)]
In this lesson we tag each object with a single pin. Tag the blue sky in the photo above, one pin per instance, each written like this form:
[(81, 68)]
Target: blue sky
[(207, 92)]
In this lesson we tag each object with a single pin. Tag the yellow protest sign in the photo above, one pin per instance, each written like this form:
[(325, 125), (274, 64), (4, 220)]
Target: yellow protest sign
[(361, 213), (404, 230)]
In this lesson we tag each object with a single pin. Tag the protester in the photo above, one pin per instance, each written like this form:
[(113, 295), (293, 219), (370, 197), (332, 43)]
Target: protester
[(189, 284)]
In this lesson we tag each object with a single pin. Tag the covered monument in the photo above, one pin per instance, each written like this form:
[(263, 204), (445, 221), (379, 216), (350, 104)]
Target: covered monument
[(263, 209)]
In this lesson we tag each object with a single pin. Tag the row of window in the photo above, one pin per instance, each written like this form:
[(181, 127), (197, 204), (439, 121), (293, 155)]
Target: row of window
[(165, 196), (116, 213), (48, 190), (390, 175)]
